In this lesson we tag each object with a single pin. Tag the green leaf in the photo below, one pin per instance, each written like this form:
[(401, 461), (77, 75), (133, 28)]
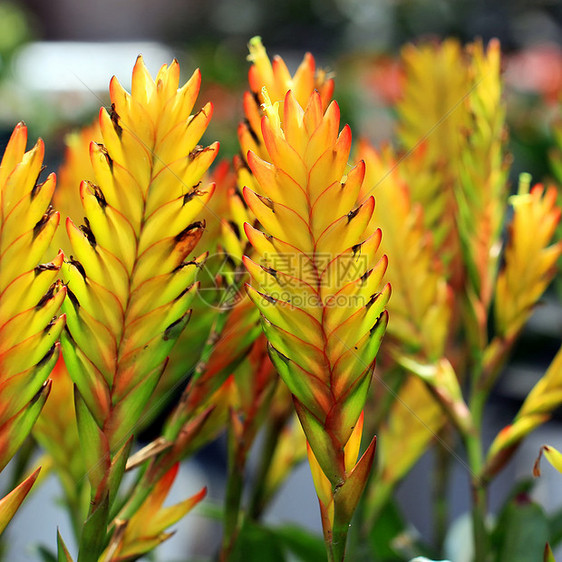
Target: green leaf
[(525, 532), (519, 490), (256, 543), (555, 526), (129, 409), (306, 546), (93, 442)]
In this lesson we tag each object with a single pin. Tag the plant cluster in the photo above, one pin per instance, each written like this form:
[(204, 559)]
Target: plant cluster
[(258, 294)]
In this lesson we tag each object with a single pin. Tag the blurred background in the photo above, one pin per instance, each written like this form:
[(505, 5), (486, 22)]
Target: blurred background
[(56, 59)]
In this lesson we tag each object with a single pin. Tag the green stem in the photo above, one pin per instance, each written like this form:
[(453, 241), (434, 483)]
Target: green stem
[(231, 513), (336, 550), (441, 481), (336, 553), (234, 486), (473, 443), (259, 497)]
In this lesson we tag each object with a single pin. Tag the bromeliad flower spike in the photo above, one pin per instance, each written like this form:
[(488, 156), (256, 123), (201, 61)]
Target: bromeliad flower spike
[(30, 298), (317, 287), (132, 276)]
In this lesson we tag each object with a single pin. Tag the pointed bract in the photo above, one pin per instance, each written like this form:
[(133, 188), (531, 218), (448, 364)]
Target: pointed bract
[(10, 503)]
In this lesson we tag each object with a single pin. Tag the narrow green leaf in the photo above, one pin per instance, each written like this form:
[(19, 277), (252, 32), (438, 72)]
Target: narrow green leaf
[(321, 445), (117, 470), (62, 552), (94, 532), (93, 442), (129, 409)]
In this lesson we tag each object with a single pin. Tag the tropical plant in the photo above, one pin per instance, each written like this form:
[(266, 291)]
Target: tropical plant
[(251, 300)]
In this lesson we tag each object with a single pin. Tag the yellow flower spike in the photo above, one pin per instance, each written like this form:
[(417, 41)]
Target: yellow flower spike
[(277, 79), (537, 408), (131, 279), (482, 192), (433, 114), (530, 262), (434, 71), (421, 303), (269, 82), (30, 299), (301, 304)]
